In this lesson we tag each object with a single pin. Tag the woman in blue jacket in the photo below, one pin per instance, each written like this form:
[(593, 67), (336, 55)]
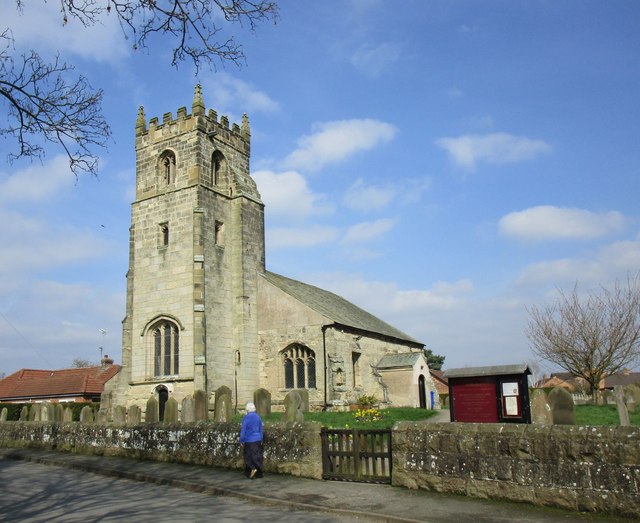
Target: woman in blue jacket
[(251, 440)]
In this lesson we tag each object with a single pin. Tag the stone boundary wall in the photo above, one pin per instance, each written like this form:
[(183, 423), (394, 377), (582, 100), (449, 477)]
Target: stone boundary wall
[(581, 468), (584, 468), (294, 450)]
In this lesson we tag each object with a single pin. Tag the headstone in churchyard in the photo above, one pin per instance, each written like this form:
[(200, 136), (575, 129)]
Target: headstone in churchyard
[(152, 413), (34, 412), (632, 397), (4, 414), (304, 399), (24, 413), (101, 416), (119, 415), (67, 415), (262, 401), (292, 404), (171, 411), (59, 412), (222, 410), (86, 414), (48, 411), (540, 410), (188, 414), (623, 413), (134, 415), (201, 405), (563, 411)]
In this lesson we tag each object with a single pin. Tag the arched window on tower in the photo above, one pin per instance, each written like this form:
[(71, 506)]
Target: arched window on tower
[(166, 349), (299, 367), (218, 168), (167, 167)]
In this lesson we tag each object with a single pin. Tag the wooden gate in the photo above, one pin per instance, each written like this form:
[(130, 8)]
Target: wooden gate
[(356, 455)]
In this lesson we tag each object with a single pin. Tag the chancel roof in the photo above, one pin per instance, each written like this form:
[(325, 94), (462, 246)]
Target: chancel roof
[(33, 383), (337, 309)]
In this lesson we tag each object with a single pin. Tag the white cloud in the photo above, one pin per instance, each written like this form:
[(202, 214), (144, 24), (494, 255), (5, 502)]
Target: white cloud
[(229, 92), (367, 231), (546, 222), (373, 60), (495, 148), (287, 194), (286, 237), (40, 26), (333, 142), (361, 197), (36, 183)]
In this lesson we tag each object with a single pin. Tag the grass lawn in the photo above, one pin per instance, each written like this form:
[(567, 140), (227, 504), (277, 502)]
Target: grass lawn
[(603, 415)]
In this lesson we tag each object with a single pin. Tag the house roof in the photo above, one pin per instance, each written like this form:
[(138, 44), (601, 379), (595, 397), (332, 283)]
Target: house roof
[(624, 378), (496, 370), (32, 383), (337, 309), (440, 380), (393, 361)]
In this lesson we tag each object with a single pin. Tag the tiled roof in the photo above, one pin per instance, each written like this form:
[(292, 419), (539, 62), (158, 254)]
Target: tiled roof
[(31, 383), (392, 361), (624, 378), (336, 308)]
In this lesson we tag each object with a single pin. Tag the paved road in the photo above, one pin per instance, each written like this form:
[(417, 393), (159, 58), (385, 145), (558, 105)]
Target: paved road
[(31, 492), (38, 485)]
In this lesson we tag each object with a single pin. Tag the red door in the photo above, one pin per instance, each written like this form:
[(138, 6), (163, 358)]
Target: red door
[(474, 400)]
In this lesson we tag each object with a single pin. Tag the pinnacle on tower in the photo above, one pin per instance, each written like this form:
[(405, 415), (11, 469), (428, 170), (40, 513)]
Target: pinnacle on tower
[(198, 108), (141, 121)]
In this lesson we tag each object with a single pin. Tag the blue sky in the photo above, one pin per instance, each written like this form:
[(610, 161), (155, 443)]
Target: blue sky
[(442, 164)]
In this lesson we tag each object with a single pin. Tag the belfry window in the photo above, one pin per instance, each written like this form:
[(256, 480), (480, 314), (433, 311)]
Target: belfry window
[(166, 349), (218, 167), (167, 167), (299, 367)]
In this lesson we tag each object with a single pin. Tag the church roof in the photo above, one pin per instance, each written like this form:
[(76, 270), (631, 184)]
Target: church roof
[(337, 309), (393, 361), (28, 384)]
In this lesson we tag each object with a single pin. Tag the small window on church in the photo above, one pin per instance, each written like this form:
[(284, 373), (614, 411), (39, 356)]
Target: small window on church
[(355, 360), (299, 366), (220, 234), (164, 235), (166, 349)]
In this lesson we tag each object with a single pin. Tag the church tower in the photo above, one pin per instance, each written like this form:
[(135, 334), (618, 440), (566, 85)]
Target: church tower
[(196, 249)]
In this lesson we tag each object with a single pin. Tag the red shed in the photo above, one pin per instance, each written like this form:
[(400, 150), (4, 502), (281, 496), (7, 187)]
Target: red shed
[(497, 394)]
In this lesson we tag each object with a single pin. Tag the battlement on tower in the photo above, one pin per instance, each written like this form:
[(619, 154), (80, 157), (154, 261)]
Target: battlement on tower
[(234, 135)]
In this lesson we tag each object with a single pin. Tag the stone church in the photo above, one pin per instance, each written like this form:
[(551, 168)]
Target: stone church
[(202, 310)]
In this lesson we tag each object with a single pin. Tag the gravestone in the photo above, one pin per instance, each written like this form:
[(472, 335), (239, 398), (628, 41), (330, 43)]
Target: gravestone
[(262, 401), (171, 411), (292, 404), (34, 412), (119, 415), (24, 413), (67, 415), (104, 414), (304, 399), (4, 414), (86, 414), (134, 415), (563, 411), (188, 414), (222, 411), (623, 413), (59, 413), (152, 413), (632, 397), (101, 416), (540, 410), (201, 405), (48, 412)]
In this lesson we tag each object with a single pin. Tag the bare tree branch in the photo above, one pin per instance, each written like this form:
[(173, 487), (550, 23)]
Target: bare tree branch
[(590, 337), (45, 102)]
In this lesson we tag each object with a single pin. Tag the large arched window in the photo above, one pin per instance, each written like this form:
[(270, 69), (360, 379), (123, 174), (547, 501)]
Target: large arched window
[(299, 366), (167, 168), (166, 349)]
